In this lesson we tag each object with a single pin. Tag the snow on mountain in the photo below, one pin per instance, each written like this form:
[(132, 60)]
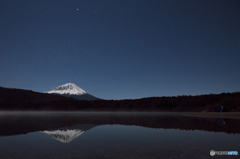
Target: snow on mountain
[(72, 90), (69, 88), (64, 136)]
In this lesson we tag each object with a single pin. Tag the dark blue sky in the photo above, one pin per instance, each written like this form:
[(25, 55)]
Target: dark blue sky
[(117, 49)]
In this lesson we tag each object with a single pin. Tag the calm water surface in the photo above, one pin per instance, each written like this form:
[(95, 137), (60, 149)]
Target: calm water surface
[(115, 135)]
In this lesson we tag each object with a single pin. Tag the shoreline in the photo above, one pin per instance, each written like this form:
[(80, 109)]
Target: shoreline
[(230, 115)]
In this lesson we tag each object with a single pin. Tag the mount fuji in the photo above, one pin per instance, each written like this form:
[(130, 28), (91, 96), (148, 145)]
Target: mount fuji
[(72, 90)]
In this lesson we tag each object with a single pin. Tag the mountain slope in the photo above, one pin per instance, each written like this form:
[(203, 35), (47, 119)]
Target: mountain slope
[(72, 90), (13, 95)]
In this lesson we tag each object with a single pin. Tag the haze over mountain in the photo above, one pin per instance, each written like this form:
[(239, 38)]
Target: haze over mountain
[(72, 90)]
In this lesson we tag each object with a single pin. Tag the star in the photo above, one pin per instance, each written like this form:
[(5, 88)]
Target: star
[(77, 9)]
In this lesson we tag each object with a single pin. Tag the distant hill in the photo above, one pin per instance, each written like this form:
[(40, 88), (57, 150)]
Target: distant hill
[(11, 98), (18, 99)]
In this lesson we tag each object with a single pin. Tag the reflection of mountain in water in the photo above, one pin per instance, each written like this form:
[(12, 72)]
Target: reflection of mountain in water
[(22, 123), (68, 134), (64, 136)]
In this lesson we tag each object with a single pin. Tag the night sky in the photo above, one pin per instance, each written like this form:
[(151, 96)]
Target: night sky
[(118, 49)]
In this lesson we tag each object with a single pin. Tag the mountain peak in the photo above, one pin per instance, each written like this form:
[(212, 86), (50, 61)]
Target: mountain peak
[(69, 89)]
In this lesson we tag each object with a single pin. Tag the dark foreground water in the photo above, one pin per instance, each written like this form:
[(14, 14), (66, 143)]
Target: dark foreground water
[(115, 135)]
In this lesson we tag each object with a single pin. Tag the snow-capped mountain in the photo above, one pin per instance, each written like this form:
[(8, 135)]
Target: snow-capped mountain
[(68, 88), (72, 90), (64, 136)]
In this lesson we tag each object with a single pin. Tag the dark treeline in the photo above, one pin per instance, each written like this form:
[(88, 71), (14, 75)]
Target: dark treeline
[(16, 99)]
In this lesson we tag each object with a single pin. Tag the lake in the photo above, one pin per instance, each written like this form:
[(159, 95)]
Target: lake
[(100, 135)]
